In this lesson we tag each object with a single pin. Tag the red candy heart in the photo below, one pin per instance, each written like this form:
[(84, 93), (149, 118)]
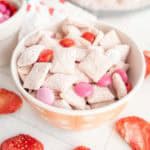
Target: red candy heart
[(46, 56), (89, 36), (67, 42)]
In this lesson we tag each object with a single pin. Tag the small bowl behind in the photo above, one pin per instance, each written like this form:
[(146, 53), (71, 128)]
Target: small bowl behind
[(85, 119), (9, 32)]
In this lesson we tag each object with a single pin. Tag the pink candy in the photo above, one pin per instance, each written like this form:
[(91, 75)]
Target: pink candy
[(8, 13), (83, 89), (123, 74), (45, 95), (3, 8), (105, 81), (6, 10)]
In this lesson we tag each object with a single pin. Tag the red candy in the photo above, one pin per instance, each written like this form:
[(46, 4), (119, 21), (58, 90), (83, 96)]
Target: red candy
[(67, 42), (46, 56), (83, 89), (89, 36)]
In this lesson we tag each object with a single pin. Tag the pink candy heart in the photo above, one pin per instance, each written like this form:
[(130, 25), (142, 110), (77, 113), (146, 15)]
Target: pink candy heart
[(83, 89), (105, 81), (45, 95)]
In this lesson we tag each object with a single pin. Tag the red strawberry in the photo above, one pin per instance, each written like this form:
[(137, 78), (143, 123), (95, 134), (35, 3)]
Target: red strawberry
[(82, 148), (9, 101), (20, 142), (46, 56), (147, 59), (135, 131), (67, 42), (89, 36)]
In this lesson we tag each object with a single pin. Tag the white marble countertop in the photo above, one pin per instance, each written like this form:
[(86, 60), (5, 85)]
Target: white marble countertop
[(103, 138)]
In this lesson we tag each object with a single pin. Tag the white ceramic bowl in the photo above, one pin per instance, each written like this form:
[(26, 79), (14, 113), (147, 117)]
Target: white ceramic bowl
[(85, 119), (110, 7), (9, 31)]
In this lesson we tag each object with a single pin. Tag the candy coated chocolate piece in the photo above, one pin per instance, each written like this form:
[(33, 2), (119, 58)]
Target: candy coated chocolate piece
[(83, 89), (6, 10), (89, 36), (105, 81), (3, 8), (45, 95), (2, 19)]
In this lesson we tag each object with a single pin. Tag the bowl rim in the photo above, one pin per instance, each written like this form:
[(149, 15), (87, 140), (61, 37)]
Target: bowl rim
[(12, 19), (103, 109)]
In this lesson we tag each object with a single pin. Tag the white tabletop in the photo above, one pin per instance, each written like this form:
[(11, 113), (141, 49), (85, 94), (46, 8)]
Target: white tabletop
[(102, 138)]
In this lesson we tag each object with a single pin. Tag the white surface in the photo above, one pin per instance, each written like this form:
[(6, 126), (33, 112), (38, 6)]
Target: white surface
[(102, 138)]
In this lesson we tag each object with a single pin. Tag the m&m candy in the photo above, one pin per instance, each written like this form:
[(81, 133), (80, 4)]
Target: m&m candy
[(6, 10)]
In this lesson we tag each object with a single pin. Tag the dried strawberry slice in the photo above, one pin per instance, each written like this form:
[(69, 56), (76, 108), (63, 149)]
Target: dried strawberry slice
[(135, 131), (20, 142), (89, 36), (81, 148), (9, 101)]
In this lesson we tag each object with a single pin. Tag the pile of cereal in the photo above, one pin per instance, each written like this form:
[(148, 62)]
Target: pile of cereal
[(7, 10), (75, 66)]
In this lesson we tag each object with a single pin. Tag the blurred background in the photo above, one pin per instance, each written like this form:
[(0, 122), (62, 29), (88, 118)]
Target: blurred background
[(132, 16)]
